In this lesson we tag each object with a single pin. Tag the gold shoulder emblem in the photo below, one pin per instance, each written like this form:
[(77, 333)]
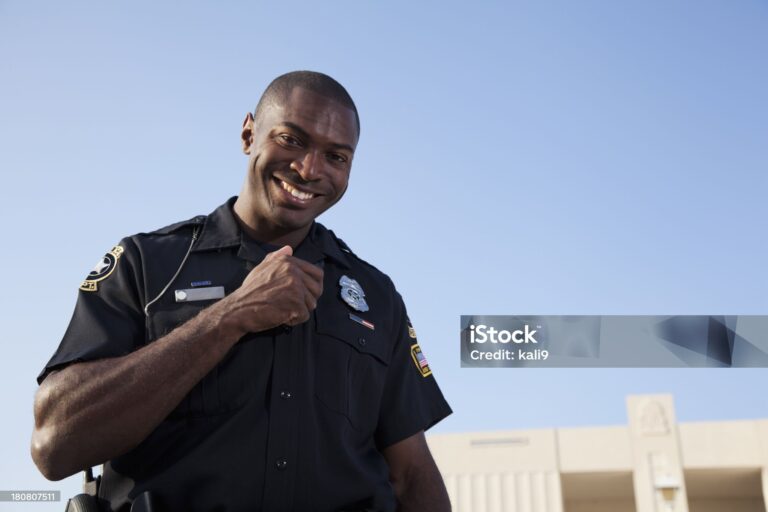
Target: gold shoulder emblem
[(104, 267)]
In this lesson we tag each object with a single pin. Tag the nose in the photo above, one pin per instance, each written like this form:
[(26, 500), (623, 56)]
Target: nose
[(308, 166)]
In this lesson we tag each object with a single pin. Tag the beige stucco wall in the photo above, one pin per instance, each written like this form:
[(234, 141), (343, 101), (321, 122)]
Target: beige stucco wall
[(725, 505), (604, 505), (716, 466), (594, 449), (721, 444), (500, 471), (532, 491)]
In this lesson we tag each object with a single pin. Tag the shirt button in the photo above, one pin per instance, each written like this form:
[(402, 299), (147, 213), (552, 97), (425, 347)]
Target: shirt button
[(286, 395), (361, 341), (281, 464)]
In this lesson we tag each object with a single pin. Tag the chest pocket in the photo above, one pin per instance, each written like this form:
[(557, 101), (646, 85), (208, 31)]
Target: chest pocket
[(351, 363), (227, 386)]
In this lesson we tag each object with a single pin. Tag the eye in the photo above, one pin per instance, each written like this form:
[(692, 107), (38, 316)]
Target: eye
[(337, 157), (289, 140)]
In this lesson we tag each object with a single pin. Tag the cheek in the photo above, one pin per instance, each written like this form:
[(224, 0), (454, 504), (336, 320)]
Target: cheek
[(253, 163), (259, 175), (340, 184)]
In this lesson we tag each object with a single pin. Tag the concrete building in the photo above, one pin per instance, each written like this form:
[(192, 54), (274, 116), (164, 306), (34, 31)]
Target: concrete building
[(653, 464)]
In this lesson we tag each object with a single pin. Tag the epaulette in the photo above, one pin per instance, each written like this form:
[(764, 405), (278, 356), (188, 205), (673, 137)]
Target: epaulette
[(342, 244), (345, 248), (198, 220)]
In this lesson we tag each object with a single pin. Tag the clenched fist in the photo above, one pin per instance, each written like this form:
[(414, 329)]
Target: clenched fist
[(281, 290)]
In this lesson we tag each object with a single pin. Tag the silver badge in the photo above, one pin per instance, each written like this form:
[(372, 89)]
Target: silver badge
[(352, 293)]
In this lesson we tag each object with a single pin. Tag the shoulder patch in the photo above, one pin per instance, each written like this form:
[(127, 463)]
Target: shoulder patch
[(103, 269), (420, 360)]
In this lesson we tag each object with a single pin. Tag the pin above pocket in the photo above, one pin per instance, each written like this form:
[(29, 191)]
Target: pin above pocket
[(194, 294), (363, 322)]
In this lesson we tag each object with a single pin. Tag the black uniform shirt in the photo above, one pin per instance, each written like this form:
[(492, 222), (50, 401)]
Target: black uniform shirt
[(291, 418)]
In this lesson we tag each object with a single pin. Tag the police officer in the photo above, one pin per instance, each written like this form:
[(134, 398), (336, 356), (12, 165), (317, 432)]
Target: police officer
[(248, 359)]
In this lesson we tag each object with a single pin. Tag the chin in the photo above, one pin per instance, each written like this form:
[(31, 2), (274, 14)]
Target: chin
[(291, 223)]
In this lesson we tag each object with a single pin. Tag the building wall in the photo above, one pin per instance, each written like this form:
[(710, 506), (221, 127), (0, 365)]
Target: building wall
[(721, 444), (594, 449), (706, 466), (537, 491), (726, 505), (603, 505)]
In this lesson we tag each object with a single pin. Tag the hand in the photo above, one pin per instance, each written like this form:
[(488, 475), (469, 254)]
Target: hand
[(280, 290)]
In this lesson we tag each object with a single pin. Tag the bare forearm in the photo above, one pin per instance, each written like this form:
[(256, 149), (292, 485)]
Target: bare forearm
[(414, 476), (91, 412), (423, 489)]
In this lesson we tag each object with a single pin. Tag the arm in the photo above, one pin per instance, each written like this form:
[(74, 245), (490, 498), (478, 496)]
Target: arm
[(415, 477), (93, 411)]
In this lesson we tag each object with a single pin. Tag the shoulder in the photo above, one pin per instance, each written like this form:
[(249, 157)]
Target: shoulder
[(354, 259), (177, 228), (374, 281), (159, 245), (178, 231)]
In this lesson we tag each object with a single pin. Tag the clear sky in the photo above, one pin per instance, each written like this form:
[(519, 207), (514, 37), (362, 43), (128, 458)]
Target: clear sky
[(519, 157)]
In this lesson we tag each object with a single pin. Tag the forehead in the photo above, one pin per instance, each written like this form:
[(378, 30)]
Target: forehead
[(318, 115)]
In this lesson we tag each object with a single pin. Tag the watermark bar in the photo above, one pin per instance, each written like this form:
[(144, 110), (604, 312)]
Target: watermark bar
[(30, 496), (703, 341)]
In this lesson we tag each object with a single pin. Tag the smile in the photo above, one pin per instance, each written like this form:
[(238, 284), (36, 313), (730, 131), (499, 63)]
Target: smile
[(295, 192)]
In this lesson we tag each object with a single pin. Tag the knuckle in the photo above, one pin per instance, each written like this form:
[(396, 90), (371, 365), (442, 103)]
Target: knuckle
[(298, 317)]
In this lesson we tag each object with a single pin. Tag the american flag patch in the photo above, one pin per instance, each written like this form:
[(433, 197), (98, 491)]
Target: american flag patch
[(420, 360)]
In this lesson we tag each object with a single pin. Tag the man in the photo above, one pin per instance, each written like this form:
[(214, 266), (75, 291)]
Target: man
[(248, 360)]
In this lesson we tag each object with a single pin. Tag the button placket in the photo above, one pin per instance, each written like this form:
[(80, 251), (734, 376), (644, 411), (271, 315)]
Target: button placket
[(281, 447)]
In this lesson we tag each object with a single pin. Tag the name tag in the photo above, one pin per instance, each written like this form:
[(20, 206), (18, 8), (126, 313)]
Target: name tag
[(193, 294)]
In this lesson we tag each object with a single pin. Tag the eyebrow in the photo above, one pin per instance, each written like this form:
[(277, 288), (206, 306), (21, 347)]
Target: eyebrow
[(303, 133)]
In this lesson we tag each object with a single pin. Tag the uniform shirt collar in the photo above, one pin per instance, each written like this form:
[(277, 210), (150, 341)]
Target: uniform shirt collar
[(221, 230)]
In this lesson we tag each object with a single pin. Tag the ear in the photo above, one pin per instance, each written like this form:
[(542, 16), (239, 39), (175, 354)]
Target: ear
[(247, 134)]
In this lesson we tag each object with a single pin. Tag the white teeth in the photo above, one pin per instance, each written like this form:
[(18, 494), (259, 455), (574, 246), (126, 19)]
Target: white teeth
[(298, 194)]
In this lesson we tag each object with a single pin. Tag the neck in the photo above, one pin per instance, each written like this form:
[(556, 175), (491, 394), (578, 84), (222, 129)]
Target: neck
[(260, 230)]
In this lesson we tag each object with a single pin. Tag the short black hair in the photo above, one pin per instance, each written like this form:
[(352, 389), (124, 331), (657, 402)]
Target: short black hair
[(279, 89)]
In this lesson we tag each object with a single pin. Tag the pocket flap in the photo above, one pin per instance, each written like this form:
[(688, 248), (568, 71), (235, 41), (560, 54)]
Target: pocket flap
[(359, 331)]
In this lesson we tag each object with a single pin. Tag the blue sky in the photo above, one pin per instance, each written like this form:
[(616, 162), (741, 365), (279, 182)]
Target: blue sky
[(524, 157)]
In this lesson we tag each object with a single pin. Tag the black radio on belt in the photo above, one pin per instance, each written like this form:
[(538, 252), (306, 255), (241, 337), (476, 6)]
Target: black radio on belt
[(88, 501)]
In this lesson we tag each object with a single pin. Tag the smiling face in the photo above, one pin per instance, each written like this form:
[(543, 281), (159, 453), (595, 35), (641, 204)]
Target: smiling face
[(300, 155)]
